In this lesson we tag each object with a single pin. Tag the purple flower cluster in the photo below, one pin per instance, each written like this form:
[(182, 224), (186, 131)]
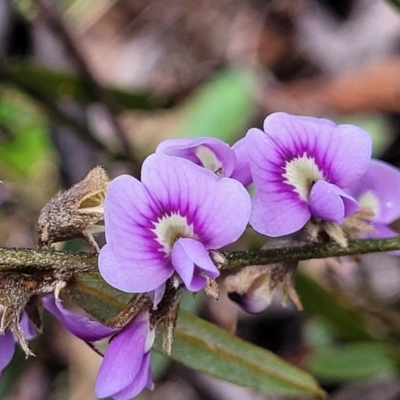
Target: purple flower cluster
[(192, 198)]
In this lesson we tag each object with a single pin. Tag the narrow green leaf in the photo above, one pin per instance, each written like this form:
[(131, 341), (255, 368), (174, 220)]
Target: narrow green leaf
[(205, 347), (352, 361), (201, 345), (347, 322), (96, 297)]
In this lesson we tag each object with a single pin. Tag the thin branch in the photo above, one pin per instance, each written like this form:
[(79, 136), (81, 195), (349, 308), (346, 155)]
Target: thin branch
[(52, 17), (29, 260), (238, 259)]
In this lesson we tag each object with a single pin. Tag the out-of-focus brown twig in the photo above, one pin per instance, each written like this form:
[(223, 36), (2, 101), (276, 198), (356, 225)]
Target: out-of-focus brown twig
[(55, 22)]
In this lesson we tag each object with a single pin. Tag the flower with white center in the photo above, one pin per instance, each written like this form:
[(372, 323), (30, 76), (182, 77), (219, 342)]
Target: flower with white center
[(300, 166), (212, 154), (166, 223), (378, 190)]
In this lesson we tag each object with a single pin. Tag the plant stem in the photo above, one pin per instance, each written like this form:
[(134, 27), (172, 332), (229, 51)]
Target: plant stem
[(28, 260)]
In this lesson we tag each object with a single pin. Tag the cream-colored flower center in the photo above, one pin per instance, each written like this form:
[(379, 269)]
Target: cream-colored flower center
[(370, 201), (302, 172), (169, 228), (208, 159)]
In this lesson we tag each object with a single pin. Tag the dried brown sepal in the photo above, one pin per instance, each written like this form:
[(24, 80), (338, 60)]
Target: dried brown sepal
[(211, 288), (167, 312), (137, 303), (354, 226), (254, 286), (19, 292), (74, 213)]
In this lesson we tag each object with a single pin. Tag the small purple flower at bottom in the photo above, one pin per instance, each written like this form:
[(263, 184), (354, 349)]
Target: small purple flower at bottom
[(300, 166), (212, 154), (125, 370), (379, 191), (8, 341), (166, 223)]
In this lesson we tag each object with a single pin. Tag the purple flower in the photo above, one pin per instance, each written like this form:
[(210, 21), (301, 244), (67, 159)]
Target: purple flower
[(165, 224), (9, 340), (213, 154), (125, 370), (300, 166), (379, 190)]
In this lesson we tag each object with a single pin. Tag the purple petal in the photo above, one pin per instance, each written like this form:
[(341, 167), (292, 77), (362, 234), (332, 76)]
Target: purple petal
[(242, 172), (188, 257), (157, 295), (276, 209), (342, 152), (27, 328), (218, 208), (381, 232), (207, 152), (382, 181), (142, 380), (80, 325), (132, 254), (330, 203), (123, 364), (7, 348), (268, 218), (134, 274)]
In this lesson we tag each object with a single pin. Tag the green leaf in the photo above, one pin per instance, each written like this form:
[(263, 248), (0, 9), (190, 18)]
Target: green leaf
[(205, 347), (347, 322), (222, 107), (201, 345), (352, 361), (96, 297)]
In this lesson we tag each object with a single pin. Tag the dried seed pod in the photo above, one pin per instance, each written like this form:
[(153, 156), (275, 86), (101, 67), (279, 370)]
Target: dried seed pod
[(74, 213)]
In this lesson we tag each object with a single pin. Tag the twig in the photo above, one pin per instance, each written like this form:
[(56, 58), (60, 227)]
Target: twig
[(29, 260), (238, 259), (56, 23)]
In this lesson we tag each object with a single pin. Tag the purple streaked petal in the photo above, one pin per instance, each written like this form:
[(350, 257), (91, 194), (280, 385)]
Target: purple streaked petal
[(242, 172), (383, 181), (218, 208), (342, 152), (188, 257), (133, 273), (218, 154), (142, 380), (269, 219), (80, 325), (330, 203), (7, 348), (128, 213), (122, 366)]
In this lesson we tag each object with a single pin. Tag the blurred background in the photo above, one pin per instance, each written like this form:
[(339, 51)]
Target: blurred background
[(89, 82)]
